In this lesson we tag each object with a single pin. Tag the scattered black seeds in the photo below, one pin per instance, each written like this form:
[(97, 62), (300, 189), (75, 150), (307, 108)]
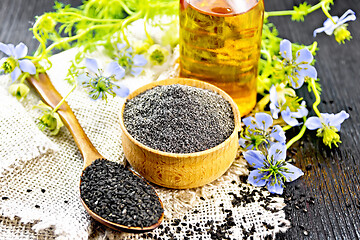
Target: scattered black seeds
[(117, 195), (28, 190), (66, 201), (37, 206), (202, 198), (176, 222), (179, 119), (350, 109), (43, 190), (331, 101), (308, 167), (5, 198)]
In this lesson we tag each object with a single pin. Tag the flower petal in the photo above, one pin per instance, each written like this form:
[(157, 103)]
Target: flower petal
[(274, 111), (286, 115), (277, 188), (12, 49), (285, 49), (83, 79), (292, 173), (139, 60), (304, 56), (15, 74), (27, 66), (255, 178), (121, 46), (21, 50), (121, 90), (300, 81), (319, 30), (338, 119), (273, 95), (254, 158), (308, 71), (92, 65), (277, 151), (278, 134), (301, 112), (242, 143), (114, 68), (349, 15), (5, 49), (313, 123), (264, 120), (250, 122), (136, 71)]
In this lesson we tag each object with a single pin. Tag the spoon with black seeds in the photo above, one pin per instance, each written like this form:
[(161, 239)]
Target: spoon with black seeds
[(112, 194)]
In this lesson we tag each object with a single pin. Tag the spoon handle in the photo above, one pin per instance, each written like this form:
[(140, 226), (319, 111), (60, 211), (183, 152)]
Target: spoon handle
[(52, 97)]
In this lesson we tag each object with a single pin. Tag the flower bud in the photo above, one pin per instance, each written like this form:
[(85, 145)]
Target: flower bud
[(9, 65), (341, 34), (19, 90), (140, 47), (157, 55), (329, 135)]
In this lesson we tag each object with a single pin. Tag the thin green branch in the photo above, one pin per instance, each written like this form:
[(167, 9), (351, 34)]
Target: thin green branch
[(297, 137)]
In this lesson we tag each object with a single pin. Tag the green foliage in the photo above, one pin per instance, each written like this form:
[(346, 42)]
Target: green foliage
[(300, 12), (93, 22)]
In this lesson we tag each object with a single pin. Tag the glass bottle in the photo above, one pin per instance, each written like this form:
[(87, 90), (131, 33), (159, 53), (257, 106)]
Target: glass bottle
[(220, 43)]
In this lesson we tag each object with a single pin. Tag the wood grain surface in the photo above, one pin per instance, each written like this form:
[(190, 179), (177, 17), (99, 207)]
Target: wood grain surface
[(325, 202)]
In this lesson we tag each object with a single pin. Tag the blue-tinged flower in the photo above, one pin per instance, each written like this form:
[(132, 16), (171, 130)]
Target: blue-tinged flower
[(328, 126), (339, 28), (258, 133), (297, 69), (132, 63), (288, 106), (271, 170), (101, 82), (15, 63)]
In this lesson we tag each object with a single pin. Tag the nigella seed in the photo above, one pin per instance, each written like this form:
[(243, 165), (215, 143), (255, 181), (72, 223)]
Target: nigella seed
[(115, 194), (179, 119), (5, 198), (43, 190)]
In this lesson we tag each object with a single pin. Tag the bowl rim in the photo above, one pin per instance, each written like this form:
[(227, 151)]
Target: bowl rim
[(188, 82)]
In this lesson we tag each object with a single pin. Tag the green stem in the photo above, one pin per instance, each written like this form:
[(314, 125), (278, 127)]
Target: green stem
[(297, 137), (291, 12), (267, 54), (63, 100), (326, 12), (36, 35), (313, 47), (127, 22), (125, 7), (145, 29), (287, 127), (317, 97), (88, 18), (69, 39)]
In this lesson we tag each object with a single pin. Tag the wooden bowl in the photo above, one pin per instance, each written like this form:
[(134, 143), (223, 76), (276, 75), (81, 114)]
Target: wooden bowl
[(175, 170)]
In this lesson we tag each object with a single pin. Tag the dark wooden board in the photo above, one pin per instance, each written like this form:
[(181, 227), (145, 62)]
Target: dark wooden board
[(332, 176)]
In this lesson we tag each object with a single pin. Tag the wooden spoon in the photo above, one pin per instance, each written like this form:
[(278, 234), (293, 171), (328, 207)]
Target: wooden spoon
[(52, 97)]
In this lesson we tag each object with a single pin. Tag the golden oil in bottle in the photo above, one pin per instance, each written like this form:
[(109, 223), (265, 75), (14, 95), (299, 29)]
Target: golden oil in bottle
[(220, 43)]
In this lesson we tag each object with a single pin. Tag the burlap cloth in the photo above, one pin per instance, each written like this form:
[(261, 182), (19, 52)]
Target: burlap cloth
[(40, 173)]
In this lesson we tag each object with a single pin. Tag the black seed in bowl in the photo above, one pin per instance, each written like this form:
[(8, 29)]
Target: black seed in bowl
[(117, 195), (179, 119)]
